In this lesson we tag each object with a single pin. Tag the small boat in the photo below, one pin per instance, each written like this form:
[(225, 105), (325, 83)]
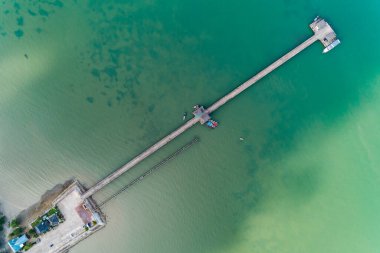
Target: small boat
[(184, 115), (331, 46), (211, 124)]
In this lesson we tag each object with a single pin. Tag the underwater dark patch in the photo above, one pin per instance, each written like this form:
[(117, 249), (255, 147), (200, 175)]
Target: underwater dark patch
[(90, 99), (19, 33)]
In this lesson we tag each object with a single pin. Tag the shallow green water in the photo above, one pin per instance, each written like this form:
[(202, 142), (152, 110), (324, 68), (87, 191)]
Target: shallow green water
[(87, 85)]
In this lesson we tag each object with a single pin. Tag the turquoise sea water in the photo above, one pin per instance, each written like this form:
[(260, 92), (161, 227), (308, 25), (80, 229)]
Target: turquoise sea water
[(87, 85)]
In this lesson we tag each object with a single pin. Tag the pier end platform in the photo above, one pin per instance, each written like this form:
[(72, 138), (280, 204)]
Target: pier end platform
[(324, 32)]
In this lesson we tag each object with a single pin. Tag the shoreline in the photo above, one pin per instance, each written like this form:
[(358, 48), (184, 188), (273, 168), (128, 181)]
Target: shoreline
[(76, 219), (26, 216)]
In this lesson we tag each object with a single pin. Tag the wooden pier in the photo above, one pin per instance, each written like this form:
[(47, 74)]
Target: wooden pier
[(322, 31)]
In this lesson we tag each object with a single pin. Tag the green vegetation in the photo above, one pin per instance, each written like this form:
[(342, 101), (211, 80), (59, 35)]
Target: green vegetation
[(28, 245), (32, 233), (52, 211), (49, 213), (3, 220), (36, 222), (14, 224), (16, 232)]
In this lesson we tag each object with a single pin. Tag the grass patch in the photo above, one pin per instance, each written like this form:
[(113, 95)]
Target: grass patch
[(52, 211), (27, 246), (36, 222)]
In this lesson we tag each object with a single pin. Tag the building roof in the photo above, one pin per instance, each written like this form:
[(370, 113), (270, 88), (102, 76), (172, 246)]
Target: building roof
[(42, 227), (17, 243), (200, 112), (54, 220)]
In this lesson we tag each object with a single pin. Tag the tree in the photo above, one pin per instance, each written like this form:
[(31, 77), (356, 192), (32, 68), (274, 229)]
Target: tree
[(14, 223), (32, 233), (16, 232), (3, 219)]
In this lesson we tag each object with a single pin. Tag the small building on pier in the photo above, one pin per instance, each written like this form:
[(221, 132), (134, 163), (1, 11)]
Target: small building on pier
[(200, 112)]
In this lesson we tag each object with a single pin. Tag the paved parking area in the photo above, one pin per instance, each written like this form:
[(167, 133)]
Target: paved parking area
[(67, 231)]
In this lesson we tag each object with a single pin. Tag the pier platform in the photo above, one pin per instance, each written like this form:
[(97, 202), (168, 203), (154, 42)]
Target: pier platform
[(325, 34)]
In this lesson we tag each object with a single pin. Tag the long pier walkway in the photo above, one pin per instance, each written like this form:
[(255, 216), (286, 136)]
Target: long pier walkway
[(261, 74), (322, 32)]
